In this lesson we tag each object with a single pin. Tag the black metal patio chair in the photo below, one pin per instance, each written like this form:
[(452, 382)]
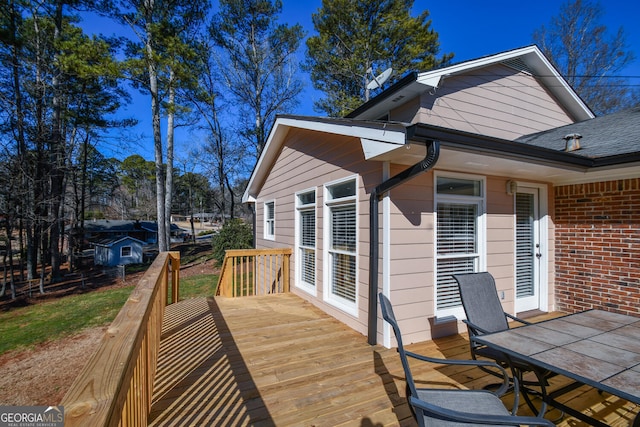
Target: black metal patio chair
[(485, 314), (440, 407)]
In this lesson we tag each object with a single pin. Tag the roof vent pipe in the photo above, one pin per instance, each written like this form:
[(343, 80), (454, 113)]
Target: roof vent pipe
[(572, 142)]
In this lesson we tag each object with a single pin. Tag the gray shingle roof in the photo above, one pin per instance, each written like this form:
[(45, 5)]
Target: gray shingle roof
[(111, 225), (610, 135)]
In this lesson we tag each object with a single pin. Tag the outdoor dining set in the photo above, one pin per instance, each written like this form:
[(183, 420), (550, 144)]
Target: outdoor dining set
[(595, 348)]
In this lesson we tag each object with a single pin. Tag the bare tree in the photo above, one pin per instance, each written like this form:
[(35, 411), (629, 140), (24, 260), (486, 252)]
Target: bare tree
[(589, 57), (260, 63)]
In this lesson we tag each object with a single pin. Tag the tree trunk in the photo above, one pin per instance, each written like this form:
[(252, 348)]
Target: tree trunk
[(155, 118), (26, 212), (57, 159), (168, 196)]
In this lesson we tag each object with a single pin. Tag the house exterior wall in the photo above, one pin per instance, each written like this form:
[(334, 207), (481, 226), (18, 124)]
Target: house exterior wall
[(110, 255), (309, 160), (412, 247), (497, 101), (598, 246)]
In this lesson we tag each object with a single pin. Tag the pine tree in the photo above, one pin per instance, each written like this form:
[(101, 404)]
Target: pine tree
[(360, 38)]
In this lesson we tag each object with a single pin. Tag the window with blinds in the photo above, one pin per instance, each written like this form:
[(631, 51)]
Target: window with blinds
[(269, 220), (525, 245), (459, 207), (342, 216), (306, 239)]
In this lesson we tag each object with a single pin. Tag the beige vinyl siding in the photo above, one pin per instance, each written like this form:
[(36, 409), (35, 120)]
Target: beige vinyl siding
[(411, 255), (310, 160), (496, 101), (406, 112), (500, 239)]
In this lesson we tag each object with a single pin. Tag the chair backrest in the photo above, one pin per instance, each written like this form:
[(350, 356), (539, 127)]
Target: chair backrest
[(390, 317), (481, 302)]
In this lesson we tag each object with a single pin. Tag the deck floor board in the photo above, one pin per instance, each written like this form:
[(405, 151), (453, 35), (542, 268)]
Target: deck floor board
[(280, 361)]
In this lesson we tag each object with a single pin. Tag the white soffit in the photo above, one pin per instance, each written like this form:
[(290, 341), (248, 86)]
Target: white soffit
[(521, 169), (373, 149)]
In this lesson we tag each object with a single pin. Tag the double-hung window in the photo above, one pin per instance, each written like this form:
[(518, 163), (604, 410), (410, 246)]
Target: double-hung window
[(306, 241), (270, 220), (459, 236), (341, 237)]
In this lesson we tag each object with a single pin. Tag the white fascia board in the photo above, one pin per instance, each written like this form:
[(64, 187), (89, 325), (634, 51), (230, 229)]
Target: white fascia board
[(433, 78), (554, 81), (347, 129), (377, 134)]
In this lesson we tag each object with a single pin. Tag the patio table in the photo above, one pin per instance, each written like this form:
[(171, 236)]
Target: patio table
[(594, 347)]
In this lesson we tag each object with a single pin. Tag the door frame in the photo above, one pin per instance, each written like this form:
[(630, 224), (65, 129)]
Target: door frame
[(541, 193)]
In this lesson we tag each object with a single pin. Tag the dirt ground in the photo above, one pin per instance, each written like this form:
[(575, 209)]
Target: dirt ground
[(42, 375)]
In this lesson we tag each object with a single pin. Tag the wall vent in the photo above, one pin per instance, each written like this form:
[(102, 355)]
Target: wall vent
[(518, 64)]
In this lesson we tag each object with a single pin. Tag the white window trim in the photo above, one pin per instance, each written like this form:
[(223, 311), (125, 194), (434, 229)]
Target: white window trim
[(458, 312), (266, 234), (130, 251), (342, 304), (543, 224), (299, 283)]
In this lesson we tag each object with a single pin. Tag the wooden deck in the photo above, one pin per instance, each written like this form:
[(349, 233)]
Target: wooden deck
[(279, 361)]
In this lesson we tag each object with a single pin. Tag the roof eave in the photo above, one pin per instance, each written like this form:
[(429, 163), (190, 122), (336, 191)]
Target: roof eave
[(385, 133), (497, 147), (416, 83)]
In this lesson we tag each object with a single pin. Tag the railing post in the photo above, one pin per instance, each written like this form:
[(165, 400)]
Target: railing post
[(285, 273), (175, 276)]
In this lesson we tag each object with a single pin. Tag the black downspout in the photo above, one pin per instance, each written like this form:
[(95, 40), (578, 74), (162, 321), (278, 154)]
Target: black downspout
[(433, 151)]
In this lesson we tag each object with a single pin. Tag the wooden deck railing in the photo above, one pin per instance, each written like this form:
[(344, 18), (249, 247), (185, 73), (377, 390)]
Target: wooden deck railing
[(247, 272), (116, 385)]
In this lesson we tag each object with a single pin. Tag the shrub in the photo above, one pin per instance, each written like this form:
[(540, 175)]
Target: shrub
[(235, 234)]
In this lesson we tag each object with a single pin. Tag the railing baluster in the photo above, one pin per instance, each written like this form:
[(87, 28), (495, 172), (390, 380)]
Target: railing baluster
[(248, 272)]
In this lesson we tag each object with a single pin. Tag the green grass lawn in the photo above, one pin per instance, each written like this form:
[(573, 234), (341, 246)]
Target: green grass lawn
[(25, 327)]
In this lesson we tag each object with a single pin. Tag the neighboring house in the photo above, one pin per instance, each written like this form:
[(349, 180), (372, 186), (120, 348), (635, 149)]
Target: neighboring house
[(146, 231), (118, 251), (455, 170)]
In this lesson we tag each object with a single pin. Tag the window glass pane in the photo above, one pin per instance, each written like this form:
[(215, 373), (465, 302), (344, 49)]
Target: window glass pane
[(343, 228), (308, 228), (456, 228), (269, 211), (307, 198), (344, 189), (447, 289), (524, 245), (460, 187), (344, 276), (308, 266)]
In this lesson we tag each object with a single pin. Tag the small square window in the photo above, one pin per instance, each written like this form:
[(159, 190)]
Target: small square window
[(125, 251)]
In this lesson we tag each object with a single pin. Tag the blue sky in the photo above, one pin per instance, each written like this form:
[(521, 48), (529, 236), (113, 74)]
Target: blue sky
[(471, 29), (468, 28)]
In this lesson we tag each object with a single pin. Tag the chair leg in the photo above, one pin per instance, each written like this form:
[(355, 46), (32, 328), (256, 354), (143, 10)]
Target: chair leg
[(408, 393)]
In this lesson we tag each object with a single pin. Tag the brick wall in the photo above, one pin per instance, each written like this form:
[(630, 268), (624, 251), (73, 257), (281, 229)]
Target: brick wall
[(598, 246)]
